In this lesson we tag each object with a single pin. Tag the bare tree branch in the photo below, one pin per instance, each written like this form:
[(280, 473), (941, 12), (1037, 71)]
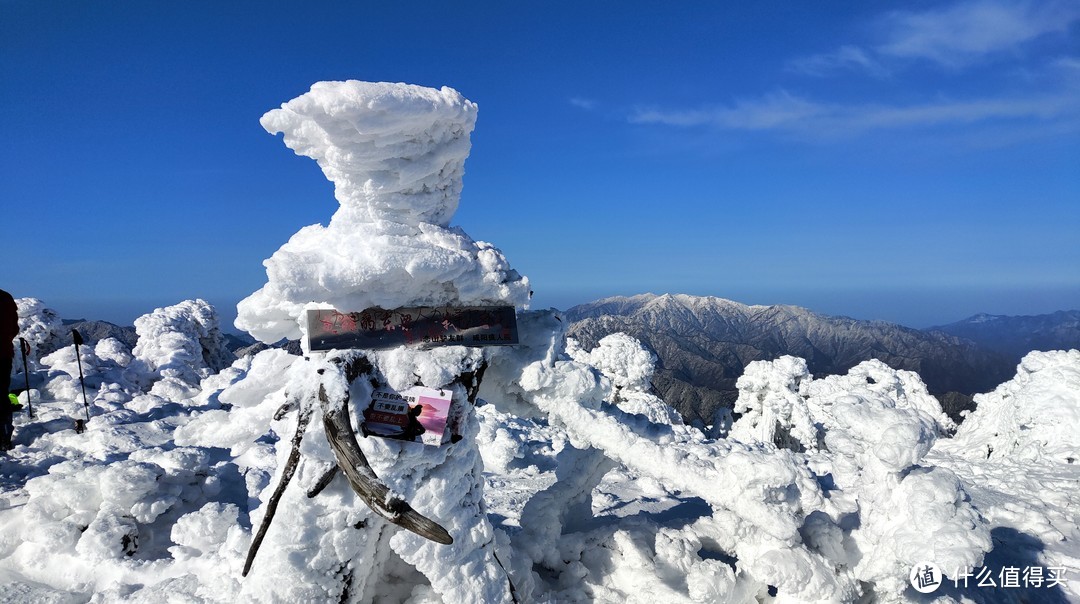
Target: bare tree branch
[(286, 475), (363, 480), (323, 482)]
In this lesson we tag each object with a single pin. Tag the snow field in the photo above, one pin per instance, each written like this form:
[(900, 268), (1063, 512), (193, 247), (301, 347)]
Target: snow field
[(584, 502)]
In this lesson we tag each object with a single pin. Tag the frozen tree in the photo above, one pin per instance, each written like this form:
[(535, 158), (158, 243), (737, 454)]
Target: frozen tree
[(180, 345), (629, 365), (42, 329), (868, 430)]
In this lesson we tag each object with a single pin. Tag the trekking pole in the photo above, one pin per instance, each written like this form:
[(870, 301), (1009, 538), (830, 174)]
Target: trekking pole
[(25, 347), (78, 340)]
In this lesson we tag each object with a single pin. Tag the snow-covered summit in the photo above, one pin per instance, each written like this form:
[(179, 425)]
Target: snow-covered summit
[(396, 155), (561, 476)]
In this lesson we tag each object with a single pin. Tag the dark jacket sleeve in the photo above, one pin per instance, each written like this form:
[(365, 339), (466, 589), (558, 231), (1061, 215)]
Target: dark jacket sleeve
[(9, 325)]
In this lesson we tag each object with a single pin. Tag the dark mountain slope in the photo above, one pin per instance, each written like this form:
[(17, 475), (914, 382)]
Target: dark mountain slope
[(704, 343)]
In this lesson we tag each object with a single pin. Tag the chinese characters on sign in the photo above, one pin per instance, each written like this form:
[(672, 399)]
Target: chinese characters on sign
[(376, 328), (415, 415)]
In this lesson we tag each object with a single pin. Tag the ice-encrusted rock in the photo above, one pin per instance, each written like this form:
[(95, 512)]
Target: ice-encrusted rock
[(182, 343)]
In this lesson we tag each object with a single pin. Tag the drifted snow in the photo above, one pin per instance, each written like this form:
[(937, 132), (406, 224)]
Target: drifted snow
[(1033, 416)]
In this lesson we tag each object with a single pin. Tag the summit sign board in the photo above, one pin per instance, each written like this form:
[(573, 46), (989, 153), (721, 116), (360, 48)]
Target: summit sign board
[(377, 328)]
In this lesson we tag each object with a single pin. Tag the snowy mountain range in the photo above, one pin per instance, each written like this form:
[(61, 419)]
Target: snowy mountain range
[(704, 343)]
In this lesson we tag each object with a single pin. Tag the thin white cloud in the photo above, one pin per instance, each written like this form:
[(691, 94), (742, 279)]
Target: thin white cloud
[(1070, 66), (957, 35), (582, 103), (788, 114), (968, 31), (775, 111), (845, 58)]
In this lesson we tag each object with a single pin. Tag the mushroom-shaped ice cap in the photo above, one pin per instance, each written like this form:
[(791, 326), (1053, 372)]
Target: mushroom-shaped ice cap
[(394, 152)]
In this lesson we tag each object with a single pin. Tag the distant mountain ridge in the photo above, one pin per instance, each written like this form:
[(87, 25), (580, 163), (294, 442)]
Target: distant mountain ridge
[(1015, 336), (94, 331), (703, 344)]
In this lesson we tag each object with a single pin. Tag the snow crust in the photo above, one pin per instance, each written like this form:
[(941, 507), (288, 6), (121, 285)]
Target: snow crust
[(571, 480)]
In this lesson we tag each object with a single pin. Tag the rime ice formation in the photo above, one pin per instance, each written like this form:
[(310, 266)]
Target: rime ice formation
[(870, 430), (396, 155), (1032, 417), (178, 346), (393, 151), (571, 482), (40, 327), (182, 342)]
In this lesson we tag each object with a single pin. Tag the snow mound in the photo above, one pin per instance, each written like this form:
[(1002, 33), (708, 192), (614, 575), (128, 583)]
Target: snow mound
[(107, 367), (178, 347), (39, 325), (396, 154), (869, 432), (182, 342), (1032, 416)]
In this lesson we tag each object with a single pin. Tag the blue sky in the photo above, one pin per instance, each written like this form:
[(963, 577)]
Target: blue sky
[(915, 162)]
